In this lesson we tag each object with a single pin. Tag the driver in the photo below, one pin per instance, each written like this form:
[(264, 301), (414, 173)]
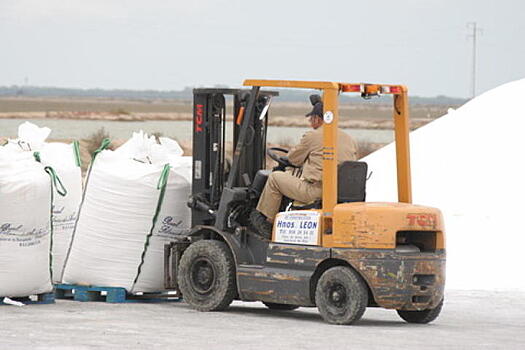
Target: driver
[(307, 188)]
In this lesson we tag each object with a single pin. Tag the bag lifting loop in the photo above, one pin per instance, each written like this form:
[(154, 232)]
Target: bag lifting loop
[(103, 145), (55, 180), (76, 151)]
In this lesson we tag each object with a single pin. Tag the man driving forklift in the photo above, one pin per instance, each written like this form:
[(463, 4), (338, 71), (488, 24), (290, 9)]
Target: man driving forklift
[(307, 187)]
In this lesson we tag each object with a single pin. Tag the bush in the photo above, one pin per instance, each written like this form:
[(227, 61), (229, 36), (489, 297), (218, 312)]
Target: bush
[(157, 135), (119, 111), (94, 140), (365, 148)]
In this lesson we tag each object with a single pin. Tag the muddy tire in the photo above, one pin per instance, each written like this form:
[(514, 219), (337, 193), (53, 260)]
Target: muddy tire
[(282, 307), (423, 316), (341, 295), (206, 275)]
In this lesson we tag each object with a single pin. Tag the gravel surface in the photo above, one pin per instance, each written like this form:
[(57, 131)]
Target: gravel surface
[(470, 320)]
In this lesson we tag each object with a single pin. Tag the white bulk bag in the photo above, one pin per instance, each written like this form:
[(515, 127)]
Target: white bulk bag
[(173, 220), (25, 215), (64, 159), (116, 242)]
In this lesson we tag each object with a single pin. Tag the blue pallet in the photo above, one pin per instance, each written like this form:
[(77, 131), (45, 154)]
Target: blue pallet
[(43, 298), (109, 294)]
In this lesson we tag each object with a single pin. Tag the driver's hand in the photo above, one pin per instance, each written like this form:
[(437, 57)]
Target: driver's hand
[(281, 166), (285, 160)]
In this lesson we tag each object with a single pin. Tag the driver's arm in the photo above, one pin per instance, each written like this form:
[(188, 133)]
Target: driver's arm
[(298, 154)]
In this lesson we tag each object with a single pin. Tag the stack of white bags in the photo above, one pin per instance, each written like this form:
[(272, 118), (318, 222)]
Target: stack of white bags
[(111, 234), (134, 202), (32, 248)]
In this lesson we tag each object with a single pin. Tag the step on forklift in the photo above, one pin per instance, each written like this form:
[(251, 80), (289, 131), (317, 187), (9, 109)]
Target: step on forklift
[(341, 254)]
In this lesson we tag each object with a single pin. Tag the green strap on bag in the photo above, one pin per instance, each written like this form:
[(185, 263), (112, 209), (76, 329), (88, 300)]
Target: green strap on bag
[(56, 184), (161, 185), (103, 145), (163, 179), (76, 152)]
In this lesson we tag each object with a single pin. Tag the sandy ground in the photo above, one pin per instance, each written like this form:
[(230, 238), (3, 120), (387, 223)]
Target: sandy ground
[(470, 320)]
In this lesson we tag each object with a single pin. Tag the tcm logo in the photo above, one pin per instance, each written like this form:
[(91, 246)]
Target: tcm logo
[(199, 117), (424, 220)]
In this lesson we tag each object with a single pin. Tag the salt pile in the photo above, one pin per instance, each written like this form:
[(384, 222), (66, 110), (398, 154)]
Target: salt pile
[(468, 163)]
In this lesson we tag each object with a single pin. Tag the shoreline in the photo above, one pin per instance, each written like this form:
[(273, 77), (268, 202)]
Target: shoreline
[(289, 121)]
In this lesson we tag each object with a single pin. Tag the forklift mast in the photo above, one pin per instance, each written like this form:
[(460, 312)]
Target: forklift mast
[(219, 160)]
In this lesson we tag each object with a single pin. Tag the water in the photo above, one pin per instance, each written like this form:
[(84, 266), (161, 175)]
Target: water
[(180, 130)]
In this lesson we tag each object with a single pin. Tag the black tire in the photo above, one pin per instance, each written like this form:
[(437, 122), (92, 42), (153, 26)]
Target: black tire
[(341, 295), (423, 316), (206, 275), (282, 307)]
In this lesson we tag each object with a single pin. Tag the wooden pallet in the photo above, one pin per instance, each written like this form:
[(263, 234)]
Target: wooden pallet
[(43, 298), (110, 294)]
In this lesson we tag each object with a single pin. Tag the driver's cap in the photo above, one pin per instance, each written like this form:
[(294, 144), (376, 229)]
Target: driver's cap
[(317, 110)]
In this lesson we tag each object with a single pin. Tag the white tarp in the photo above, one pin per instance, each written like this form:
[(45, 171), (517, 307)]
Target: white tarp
[(61, 157), (25, 215), (112, 237), (468, 164)]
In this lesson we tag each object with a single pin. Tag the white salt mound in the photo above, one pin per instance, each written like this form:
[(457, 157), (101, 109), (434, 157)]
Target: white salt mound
[(469, 164)]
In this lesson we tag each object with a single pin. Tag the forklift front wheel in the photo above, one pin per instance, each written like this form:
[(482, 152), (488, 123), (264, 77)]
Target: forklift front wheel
[(206, 275), (423, 316), (341, 295)]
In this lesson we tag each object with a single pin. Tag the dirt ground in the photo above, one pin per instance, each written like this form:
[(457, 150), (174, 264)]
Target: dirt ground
[(470, 320)]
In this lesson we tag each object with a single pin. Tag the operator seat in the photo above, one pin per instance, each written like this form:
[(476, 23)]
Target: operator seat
[(351, 185)]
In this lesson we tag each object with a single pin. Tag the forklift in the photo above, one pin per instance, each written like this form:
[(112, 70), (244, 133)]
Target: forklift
[(340, 254)]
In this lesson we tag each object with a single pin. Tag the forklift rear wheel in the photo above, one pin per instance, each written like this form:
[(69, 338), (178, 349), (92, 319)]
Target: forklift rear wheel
[(206, 275), (282, 307), (341, 295), (423, 316)]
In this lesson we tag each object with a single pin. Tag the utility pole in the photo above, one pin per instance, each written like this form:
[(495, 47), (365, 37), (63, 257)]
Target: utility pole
[(473, 27)]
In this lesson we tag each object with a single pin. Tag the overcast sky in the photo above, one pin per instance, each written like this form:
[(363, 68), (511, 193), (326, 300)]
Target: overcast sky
[(169, 45)]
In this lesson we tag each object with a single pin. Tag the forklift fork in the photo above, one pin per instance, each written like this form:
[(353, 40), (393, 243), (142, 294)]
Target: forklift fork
[(172, 254)]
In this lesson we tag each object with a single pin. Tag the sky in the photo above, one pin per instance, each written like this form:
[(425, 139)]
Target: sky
[(169, 45)]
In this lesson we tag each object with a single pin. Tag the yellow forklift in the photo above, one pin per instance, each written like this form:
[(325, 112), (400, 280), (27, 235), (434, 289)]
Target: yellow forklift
[(341, 254)]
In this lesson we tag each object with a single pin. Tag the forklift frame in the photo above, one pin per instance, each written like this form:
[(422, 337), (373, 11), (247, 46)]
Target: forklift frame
[(331, 91)]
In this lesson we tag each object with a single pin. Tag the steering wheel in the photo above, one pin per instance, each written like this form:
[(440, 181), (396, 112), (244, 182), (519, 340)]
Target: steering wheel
[(281, 160)]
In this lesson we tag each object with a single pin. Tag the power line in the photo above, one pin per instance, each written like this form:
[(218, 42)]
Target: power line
[(473, 26)]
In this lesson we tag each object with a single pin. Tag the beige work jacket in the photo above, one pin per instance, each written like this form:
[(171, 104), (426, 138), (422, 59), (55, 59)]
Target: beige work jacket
[(309, 153)]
